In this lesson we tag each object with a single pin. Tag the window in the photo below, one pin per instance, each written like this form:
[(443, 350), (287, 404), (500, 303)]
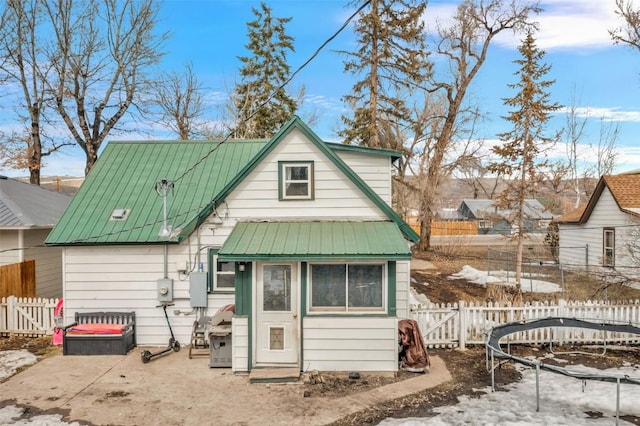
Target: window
[(222, 275), (485, 224), (296, 180), (608, 247), (347, 287)]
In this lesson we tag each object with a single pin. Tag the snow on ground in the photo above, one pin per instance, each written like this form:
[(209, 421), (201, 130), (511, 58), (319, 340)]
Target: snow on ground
[(11, 361), (563, 401), (529, 284), (11, 415)]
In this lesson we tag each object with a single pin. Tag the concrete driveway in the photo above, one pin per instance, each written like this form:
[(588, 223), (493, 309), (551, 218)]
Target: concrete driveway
[(176, 390)]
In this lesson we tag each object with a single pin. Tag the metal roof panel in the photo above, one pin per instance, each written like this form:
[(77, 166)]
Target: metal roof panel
[(315, 241), (120, 180)]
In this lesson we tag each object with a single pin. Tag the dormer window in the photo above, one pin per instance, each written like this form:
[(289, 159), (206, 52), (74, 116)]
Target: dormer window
[(296, 180)]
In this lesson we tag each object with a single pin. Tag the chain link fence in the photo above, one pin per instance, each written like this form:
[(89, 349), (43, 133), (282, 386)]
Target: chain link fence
[(538, 267)]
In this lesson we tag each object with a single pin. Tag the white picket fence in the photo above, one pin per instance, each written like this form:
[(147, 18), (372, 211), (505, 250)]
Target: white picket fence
[(461, 324), (445, 325), (27, 316)]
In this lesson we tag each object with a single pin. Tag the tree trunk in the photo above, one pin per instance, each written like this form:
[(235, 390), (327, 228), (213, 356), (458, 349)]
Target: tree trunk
[(91, 158)]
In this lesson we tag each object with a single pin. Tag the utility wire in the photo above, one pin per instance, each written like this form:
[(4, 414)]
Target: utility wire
[(226, 138), (275, 91)]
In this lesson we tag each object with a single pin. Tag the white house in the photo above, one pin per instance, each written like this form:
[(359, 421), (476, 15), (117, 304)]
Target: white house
[(604, 233), (27, 215), (298, 233)]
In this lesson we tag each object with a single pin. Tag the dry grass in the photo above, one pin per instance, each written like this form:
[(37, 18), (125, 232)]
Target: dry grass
[(577, 286)]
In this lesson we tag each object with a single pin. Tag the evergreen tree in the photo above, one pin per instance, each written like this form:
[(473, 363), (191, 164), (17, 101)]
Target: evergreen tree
[(391, 58), (260, 112), (523, 146)]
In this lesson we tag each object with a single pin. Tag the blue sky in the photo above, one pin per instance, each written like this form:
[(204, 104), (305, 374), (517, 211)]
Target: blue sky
[(603, 78)]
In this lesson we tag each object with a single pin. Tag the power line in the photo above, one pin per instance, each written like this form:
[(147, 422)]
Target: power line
[(226, 138), (275, 91)]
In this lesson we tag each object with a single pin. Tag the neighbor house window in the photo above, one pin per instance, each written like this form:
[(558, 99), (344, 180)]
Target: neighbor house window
[(296, 180), (485, 224), (222, 275), (351, 287), (608, 247)]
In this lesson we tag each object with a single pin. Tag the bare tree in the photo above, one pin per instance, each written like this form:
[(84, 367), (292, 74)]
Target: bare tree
[(629, 32), (23, 64), (574, 133), (606, 152), (179, 98), (101, 55), (474, 172), (463, 46), (555, 177)]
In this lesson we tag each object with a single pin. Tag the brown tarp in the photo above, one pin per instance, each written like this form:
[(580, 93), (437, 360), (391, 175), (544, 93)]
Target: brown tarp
[(413, 353)]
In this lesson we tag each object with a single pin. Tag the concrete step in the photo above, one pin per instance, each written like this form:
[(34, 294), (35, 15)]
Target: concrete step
[(274, 375)]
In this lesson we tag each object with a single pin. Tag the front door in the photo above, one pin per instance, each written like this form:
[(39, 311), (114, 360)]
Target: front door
[(277, 314)]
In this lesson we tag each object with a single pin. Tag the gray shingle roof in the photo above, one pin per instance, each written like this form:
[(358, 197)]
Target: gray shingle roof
[(482, 208), (26, 205)]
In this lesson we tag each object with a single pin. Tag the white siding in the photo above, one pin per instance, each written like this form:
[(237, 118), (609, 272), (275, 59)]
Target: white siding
[(350, 344), (9, 239), (335, 195), (48, 263), (403, 276), (375, 170), (240, 344), (581, 245), (124, 278)]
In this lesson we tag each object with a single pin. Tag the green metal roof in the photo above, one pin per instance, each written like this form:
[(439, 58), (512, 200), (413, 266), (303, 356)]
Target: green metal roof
[(204, 172), (124, 178), (315, 241), (365, 150)]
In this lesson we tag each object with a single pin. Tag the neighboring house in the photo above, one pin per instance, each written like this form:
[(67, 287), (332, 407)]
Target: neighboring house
[(313, 257), (495, 220), (27, 215), (605, 231)]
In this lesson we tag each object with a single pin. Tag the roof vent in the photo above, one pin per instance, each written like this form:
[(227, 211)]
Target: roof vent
[(119, 214)]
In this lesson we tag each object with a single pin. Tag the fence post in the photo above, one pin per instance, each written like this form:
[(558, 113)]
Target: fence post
[(462, 332), (11, 309), (562, 305)]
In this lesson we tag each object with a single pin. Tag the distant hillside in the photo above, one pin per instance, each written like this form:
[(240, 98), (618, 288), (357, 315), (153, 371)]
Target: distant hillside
[(65, 184), (453, 191)]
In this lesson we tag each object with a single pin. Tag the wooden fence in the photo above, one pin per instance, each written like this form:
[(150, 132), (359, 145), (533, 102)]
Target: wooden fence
[(461, 324), (18, 279), (27, 316), (447, 227)]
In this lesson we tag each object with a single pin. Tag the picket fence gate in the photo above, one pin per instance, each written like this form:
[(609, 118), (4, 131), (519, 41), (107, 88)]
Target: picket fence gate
[(27, 316), (461, 324)]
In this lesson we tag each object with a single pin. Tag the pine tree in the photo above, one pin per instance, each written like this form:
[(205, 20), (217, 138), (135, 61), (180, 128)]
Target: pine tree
[(523, 146), (261, 112), (392, 60)]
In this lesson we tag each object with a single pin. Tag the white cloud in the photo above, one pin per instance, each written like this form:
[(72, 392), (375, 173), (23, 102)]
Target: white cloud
[(564, 24), (604, 113), (570, 24)]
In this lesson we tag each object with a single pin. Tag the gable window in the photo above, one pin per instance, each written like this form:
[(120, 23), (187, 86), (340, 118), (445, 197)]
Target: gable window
[(295, 180), (608, 247), (351, 287), (223, 274)]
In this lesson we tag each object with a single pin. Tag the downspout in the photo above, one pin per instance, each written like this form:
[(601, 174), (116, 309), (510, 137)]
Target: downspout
[(166, 260), (21, 245)]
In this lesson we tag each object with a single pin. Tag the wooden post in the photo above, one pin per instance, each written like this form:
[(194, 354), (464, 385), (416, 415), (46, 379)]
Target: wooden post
[(462, 332), (11, 314)]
